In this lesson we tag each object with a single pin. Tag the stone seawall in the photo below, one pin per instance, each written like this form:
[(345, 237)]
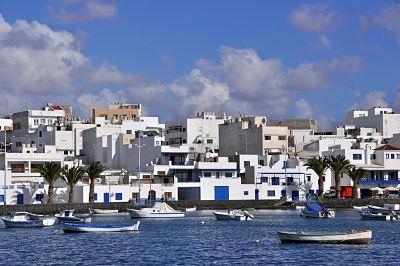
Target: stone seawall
[(201, 205)]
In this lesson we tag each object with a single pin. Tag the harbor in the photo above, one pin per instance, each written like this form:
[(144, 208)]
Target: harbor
[(199, 237)]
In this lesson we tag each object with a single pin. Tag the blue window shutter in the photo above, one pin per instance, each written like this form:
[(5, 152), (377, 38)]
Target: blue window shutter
[(95, 196), (118, 196)]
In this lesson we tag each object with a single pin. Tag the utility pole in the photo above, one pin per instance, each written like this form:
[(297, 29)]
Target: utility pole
[(5, 167), (139, 149)]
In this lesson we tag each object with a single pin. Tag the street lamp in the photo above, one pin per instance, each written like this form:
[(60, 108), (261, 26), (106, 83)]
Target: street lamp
[(139, 149)]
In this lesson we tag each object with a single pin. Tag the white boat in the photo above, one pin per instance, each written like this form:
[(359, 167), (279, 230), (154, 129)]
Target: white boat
[(353, 237), (367, 215), (26, 219), (313, 210), (104, 211), (158, 210), (360, 208), (382, 210), (191, 209), (233, 215), (90, 228), (67, 216)]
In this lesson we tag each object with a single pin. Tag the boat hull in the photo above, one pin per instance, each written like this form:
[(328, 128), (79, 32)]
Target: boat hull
[(145, 214), (378, 210), (74, 219), (226, 216), (354, 238), (46, 222), (79, 228), (377, 217)]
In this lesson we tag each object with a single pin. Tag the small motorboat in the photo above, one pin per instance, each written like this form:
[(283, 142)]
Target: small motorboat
[(90, 228), (67, 216), (27, 220), (158, 210), (360, 208), (104, 211), (234, 215), (193, 209), (382, 210), (367, 215), (313, 210), (352, 237)]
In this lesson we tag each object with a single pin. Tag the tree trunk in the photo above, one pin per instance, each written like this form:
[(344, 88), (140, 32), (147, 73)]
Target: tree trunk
[(50, 194), (71, 194), (321, 187), (91, 191), (355, 189), (337, 184)]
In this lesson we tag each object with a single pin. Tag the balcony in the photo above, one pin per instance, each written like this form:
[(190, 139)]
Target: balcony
[(188, 179)]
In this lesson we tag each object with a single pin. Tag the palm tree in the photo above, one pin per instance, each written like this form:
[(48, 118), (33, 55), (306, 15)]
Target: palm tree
[(93, 171), (338, 164), (51, 171), (319, 166), (71, 176), (355, 174)]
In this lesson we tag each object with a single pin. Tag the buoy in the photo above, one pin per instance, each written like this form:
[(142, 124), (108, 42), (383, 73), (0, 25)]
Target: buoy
[(202, 222), (257, 241)]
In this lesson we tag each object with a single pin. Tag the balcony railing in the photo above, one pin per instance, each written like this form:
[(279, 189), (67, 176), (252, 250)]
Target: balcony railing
[(188, 163), (379, 182), (188, 179)]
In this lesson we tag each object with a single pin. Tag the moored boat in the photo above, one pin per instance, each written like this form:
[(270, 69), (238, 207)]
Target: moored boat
[(313, 210), (383, 210), (27, 220), (360, 208), (90, 228), (352, 237), (104, 211), (193, 209), (234, 215), (158, 210), (68, 216), (367, 215)]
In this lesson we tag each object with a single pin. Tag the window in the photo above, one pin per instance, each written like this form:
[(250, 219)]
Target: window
[(398, 156), (357, 156), (275, 181), (36, 122), (43, 121), (271, 193), (387, 156), (308, 178), (40, 134), (210, 141), (264, 179), (261, 162), (95, 196), (207, 174), (118, 196), (281, 137), (246, 193), (217, 174), (39, 197), (246, 163), (129, 131), (373, 156), (228, 174), (392, 156), (1, 198), (266, 137)]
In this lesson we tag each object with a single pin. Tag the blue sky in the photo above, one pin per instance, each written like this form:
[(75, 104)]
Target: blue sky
[(277, 58)]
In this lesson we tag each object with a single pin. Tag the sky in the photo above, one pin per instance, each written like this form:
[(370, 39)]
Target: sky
[(282, 59)]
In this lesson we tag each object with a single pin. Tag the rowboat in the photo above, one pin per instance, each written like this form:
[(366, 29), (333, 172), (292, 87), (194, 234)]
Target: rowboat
[(313, 210), (27, 220), (104, 211), (90, 228), (233, 215), (67, 216), (158, 210), (352, 237), (367, 215)]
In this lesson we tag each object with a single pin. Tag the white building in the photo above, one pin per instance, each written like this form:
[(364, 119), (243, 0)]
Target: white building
[(200, 133), (251, 135)]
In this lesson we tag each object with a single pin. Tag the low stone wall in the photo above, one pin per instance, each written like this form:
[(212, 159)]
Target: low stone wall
[(350, 203), (227, 204)]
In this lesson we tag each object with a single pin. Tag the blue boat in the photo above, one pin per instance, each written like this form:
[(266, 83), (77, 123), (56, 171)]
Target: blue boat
[(314, 210)]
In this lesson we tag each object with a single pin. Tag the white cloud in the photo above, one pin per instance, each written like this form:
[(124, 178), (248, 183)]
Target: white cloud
[(389, 18), (324, 41), (82, 10), (372, 99), (315, 18), (303, 108)]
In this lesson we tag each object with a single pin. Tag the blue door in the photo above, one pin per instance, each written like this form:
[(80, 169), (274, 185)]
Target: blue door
[(257, 194), (295, 195), (106, 197), (20, 199), (221, 192), (283, 193)]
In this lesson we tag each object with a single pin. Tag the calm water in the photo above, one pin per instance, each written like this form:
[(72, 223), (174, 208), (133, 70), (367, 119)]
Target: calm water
[(187, 241)]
